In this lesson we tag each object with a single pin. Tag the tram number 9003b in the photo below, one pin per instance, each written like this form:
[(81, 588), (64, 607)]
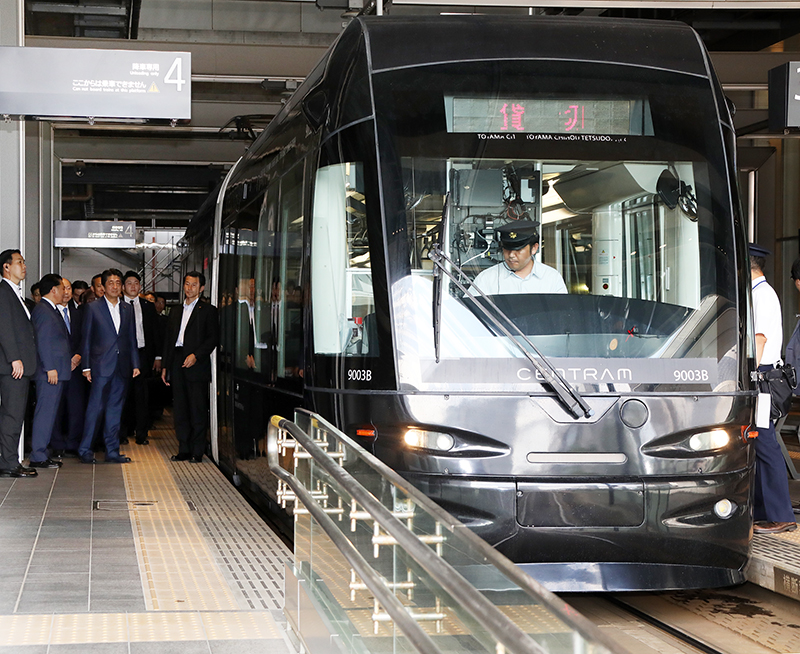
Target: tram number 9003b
[(359, 375), (691, 375)]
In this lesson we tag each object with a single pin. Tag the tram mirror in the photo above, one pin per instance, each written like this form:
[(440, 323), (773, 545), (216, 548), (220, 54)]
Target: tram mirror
[(731, 106), (315, 107), (669, 189)]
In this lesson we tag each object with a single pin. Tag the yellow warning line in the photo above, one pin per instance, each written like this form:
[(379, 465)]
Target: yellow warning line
[(177, 569), (18, 630)]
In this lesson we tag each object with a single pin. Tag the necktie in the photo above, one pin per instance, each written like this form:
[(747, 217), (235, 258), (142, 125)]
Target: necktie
[(66, 319)]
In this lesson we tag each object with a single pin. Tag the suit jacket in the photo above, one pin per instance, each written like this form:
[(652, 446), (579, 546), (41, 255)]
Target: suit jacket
[(104, 350), (153, 339), (76, 327), (52, 342), (17, 336), (200, 338)]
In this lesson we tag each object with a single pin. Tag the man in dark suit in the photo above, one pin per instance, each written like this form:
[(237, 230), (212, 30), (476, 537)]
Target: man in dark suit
[(109, 358), (79, 287), (136, 417), (192, 335), (53, 370), (68, 429), (17, 362)]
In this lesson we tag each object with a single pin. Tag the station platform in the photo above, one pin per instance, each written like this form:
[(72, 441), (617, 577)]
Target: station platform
[(775, 559), (151, 556)]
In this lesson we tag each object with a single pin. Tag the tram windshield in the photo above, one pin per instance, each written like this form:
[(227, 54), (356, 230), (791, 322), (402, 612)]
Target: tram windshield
[(632, 281)]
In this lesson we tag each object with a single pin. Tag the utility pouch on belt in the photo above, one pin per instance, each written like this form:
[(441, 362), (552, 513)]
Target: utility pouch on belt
[(779, 383)]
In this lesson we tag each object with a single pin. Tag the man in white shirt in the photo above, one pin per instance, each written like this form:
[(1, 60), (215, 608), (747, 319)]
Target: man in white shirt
[(17, 362), (54, 368), (192, 335), (520, 272), (136, 415), (109, 358), (772, 505)]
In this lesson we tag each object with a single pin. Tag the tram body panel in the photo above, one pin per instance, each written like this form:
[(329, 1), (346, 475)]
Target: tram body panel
[(387, 150)]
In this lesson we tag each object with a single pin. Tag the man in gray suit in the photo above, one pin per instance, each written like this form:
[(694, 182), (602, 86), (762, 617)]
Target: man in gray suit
[(17, 362)]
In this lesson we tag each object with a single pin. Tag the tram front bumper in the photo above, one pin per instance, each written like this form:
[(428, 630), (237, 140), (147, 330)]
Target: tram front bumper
[(589, 535)]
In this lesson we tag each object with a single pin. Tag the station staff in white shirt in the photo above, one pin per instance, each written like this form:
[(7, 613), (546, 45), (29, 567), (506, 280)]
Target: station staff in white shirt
[(772, 505), (520, 272)]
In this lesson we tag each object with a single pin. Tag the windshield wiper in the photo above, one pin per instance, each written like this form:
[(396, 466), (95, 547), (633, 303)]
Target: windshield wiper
[(571, 398), (437, 279)]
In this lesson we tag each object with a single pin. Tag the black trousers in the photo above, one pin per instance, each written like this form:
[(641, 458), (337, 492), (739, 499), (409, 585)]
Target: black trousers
[(190, 411), (13, 402), (136, 416)]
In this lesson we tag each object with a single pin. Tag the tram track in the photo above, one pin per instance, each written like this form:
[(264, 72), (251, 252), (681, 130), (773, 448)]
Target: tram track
[(672, 630), (746, 619)]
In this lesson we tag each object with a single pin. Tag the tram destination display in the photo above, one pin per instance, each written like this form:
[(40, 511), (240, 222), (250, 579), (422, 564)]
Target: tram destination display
[(624, 116)]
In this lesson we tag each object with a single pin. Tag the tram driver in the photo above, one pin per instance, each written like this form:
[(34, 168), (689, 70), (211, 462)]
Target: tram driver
[(520, 272)]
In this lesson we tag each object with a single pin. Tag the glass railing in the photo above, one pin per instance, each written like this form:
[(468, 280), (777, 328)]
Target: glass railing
[(391, 571)]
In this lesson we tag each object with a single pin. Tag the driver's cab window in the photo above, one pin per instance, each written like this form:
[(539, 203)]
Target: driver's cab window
[(621, 229)]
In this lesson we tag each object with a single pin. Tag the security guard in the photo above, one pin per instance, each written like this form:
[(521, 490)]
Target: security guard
[(519, 272), (772, 506)]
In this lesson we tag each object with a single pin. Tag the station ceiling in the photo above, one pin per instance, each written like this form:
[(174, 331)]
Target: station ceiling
[(247, 58)]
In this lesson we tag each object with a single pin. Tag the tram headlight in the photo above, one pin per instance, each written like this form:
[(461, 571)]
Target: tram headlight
[(709, 440), (724, 509), (429, 440)]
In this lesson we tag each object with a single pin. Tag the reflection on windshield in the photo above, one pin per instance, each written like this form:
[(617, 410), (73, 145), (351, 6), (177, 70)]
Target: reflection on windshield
[(614, 266)]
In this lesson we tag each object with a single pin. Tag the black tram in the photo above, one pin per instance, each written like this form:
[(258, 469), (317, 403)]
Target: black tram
[(596, 439)]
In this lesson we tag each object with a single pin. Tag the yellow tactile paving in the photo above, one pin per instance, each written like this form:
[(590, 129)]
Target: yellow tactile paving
[(154, 626), (170, 626), (18, 630), (178, 570), (99, 627), (238, 625)]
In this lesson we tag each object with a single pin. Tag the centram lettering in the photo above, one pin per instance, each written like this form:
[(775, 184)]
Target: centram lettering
[(586, 375)]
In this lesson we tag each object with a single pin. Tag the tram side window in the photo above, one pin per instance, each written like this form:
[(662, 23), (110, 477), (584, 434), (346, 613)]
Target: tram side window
[(263, 331), (243, 244), (341, 274), (288, 293)]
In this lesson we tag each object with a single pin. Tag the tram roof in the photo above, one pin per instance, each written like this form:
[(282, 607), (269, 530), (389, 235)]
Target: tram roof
[(398, 42)]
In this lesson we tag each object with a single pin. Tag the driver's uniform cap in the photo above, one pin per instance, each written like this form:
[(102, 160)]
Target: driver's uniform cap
[(517, 234)]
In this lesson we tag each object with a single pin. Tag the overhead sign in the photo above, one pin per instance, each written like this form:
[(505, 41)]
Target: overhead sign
[(784, 96), (95, 83), (94, 234)]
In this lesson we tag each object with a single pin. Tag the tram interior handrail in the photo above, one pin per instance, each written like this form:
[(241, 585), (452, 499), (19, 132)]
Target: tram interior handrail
[(509, 636)]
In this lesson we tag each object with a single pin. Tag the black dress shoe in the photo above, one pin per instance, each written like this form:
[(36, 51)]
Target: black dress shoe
[(123, 440), (180, 457), (196, 459), (118, 459), (57, 454), (47, 463), (142, 441), (88, 459), (19, 471)]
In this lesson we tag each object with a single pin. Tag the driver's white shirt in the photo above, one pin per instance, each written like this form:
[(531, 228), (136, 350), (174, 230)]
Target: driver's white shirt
[(500, 280)]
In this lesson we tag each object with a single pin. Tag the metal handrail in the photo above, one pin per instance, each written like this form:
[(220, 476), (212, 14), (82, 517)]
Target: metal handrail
[(480, 609), (550, 600), (404, 621)]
